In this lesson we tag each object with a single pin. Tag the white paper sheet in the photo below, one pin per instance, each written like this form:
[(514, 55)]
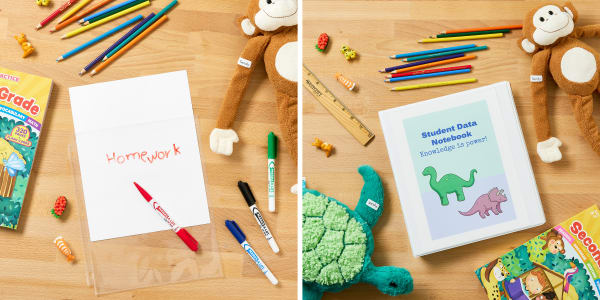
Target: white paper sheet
[(143, 130)]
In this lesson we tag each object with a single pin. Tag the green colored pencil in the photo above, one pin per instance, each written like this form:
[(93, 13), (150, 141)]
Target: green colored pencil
[(428, 56), (441, 35), (112, 12)]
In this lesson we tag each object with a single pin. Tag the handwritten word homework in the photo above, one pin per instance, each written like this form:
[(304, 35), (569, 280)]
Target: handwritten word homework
[(143, 156)]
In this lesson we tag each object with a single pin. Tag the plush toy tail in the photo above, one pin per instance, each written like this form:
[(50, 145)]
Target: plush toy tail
[(287, 112), (389, 280), (370, 204), (583, 107), (310, 294)]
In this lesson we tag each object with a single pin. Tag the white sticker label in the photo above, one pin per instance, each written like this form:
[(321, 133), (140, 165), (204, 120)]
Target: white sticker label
[(244, 62), (372, 204), (535, 78)]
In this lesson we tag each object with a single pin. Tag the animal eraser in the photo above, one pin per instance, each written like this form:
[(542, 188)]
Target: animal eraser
[(349, 84), (26, 45), (59, 206), (328, 148), (349, 54), (64, 248), (322, 42), (42, 2)]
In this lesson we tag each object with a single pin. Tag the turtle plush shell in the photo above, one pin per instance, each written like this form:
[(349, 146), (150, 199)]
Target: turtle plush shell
[(334, 242)]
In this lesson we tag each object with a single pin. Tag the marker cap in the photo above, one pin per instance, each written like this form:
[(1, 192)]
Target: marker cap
[(272, 146), (235, 230), (246, 192)]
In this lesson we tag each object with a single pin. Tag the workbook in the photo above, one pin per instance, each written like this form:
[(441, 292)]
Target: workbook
[(23, 101), (138, 130), (562, 263), (461, 168)]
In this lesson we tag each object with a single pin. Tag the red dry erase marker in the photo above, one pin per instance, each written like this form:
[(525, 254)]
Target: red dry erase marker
[(181, 232)]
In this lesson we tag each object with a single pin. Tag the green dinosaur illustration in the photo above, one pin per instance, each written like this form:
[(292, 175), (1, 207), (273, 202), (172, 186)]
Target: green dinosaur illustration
[(448, 184)]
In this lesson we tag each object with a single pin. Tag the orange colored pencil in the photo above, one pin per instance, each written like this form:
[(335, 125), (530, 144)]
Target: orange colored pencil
[(129, 45), (484, 29), (79, 16), (433, 64)]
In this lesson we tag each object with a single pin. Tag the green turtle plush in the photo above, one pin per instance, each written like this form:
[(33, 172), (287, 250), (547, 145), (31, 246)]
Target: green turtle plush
[(337, 243)]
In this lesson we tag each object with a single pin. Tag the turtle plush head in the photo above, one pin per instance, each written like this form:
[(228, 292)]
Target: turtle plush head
[(337, 243)]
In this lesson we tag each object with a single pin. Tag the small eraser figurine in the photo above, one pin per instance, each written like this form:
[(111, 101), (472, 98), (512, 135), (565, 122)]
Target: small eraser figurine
[(328, 148), (64, 248), (59, 206), (349, 84), (42, 2), (349, 54), (27, 48), (322, 42)]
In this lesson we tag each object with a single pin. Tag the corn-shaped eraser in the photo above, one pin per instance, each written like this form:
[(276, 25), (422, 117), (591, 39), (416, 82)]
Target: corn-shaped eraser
[(64, 248), (349, 84)]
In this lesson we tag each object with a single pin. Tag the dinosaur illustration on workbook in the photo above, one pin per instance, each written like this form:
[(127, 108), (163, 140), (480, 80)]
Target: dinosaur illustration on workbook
[(487, 202), (448, 184)]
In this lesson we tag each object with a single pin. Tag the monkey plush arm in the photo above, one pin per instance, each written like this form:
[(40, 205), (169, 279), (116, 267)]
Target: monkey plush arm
[(222, 137), (547, 146), (588, 31)]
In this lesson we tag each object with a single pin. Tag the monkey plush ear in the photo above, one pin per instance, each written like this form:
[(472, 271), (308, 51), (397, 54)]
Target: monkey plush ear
[(570, 9), (528, 46)]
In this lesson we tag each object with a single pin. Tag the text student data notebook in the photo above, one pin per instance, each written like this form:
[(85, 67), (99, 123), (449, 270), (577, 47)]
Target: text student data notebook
[(461, 168)]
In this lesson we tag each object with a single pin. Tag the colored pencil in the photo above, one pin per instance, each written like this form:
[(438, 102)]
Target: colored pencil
[(463, 38), (105, 20), (484, 28), (101, 56), (112, 12), (108, 10), (428, 71), (437, 63), (55, 14), (462, 71), (139, 31), (129, 45), (73, 10), (403, 55), (79, 16), (441, 35), (389, 69), (99, 38), (432, 84), (409, 59)]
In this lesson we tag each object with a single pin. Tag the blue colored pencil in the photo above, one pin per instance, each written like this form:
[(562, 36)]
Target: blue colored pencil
[(389, 69), (135, 34), (428, 75), (432, 51), (101, 56), (426, 56), (99, 38), (106, 10)]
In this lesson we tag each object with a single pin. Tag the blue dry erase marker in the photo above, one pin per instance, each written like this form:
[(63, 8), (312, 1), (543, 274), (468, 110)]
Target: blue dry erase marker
[(428, 75), (239, 235)]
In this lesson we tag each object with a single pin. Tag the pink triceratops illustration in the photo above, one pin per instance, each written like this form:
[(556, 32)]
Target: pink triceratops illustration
[(486, 202)]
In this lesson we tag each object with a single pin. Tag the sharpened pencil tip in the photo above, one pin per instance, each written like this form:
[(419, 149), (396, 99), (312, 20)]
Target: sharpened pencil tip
[(381, 71), (63, 37), (392, 56), (59, 59), (38, 26), (104, 58), (82, 72), (93, 73)]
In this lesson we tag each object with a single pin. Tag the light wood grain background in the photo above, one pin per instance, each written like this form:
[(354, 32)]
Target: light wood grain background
[(202, 38), (377, 29)]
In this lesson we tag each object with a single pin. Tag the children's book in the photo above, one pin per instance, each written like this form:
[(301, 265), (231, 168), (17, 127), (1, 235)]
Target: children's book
[(23, 100), (461, 168), (562, 263)]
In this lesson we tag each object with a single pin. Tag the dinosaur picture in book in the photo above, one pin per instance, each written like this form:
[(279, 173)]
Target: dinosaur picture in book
[(448, 184), (487, 202)]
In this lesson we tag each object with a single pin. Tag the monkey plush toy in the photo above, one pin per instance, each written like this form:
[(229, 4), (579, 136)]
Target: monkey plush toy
[(271, 26), (550, 35)]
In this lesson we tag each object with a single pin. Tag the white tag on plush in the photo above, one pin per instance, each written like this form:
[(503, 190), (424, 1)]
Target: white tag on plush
[(372, 204), (535, 78), (244, 62)]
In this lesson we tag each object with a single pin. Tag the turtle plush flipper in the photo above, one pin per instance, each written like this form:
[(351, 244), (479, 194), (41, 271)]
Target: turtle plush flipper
[(370, 204), (310, 294), (388, 279)]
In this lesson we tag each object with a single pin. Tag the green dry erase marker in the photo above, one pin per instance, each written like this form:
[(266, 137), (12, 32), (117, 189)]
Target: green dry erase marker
[(271, 155)]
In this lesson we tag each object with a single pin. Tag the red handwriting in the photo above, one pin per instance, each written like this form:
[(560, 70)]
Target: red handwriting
[(143, 156)]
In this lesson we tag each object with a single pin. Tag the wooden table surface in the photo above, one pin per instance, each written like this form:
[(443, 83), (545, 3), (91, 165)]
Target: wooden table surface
[(377, 29), (202, 38)]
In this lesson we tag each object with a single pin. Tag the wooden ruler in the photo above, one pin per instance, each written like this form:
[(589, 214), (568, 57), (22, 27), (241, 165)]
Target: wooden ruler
[(336, 108)]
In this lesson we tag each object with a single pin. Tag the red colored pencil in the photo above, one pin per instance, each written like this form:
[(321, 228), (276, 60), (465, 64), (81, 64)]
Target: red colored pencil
[(429, 71), (55, 14)]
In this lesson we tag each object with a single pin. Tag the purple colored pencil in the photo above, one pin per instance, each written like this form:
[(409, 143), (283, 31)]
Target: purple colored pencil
[(421, 62), (117, 43)]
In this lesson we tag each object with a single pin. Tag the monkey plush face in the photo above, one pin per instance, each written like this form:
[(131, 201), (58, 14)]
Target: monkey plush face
[(545, 25), (270, 15)]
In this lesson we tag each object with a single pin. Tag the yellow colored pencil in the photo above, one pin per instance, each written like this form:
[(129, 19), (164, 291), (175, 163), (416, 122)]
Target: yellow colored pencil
[(463, 38), (105, 20), (432, 84), (73, 10), (129, 45)]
